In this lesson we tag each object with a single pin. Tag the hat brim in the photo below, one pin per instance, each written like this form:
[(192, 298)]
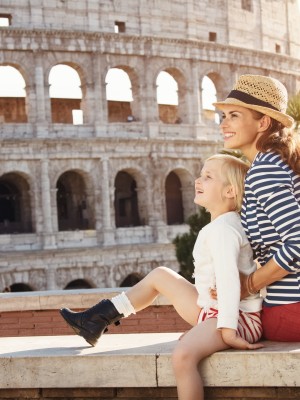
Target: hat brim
[(285, 119)]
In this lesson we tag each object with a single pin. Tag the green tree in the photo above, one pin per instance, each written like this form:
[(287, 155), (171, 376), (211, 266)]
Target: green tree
[(184, 244), (293, 109)]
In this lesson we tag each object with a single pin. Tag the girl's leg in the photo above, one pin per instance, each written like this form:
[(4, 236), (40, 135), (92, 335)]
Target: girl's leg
[(201, 341), (93, 322), (180, 292)]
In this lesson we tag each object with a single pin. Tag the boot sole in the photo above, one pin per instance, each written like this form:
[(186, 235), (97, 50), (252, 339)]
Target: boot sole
[(80, 331)]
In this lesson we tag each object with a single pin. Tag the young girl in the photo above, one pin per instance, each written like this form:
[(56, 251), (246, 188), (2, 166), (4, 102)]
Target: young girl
[(255, 121), (220, 252)]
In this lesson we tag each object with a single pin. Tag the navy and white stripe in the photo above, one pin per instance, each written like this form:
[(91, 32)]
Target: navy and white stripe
[(271, 219)]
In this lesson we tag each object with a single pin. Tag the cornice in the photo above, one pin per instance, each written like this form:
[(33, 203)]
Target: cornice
[(97, 148), (43, 40)]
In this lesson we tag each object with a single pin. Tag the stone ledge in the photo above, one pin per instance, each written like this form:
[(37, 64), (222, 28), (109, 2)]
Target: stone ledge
[(136, 360)]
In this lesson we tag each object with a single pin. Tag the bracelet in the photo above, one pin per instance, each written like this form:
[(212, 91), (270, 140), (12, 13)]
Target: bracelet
[(249, 285)]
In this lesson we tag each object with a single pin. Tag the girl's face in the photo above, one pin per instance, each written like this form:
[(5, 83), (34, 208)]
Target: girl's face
[(240, 130), (210, 189)]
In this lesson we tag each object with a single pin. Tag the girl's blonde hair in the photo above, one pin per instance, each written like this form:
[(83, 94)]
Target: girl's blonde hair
[(233, 173)]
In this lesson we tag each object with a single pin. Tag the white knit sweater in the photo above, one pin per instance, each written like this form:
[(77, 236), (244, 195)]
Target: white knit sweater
[(220, 252)]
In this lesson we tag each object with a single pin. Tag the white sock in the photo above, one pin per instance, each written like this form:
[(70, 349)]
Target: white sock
[(123, 304)]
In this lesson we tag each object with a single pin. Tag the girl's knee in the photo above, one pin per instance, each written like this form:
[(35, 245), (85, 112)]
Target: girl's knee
[(160, 271), (182, 358)]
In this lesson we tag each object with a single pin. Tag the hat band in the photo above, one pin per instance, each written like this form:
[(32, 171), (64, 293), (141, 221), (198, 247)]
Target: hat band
[(247, 98)]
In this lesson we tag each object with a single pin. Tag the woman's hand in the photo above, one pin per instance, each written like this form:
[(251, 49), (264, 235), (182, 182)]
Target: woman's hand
[(232, 339), (244, 289), (244, 286)]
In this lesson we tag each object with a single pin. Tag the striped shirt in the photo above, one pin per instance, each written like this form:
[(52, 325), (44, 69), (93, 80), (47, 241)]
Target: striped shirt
[(271, 219)]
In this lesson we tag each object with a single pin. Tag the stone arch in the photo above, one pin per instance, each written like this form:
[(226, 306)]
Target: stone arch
[(63, 109), (174, 204), (75, 201), (131, 279), (210, 114), (78, 284), (124, 110), (15, 204), (20, 287), (126, 200), (14, 108), (174, 114), (179, 191)]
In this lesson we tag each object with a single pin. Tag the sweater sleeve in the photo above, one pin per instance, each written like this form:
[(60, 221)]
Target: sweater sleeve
[(278, 201), (225, 248)]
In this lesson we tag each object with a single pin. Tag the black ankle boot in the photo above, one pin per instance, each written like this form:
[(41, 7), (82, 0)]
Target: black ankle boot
[(93, 322)]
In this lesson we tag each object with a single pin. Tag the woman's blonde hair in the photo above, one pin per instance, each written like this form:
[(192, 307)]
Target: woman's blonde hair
[(233, 172)]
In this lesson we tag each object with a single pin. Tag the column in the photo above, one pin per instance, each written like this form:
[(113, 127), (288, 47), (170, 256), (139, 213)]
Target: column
[(41, 118), (194, 94), (157, 203), (49, 239), (50, 277), (108, 228), (100, 102), (148, 99)]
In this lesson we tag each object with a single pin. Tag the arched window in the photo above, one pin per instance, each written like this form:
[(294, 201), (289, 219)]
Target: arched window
[(118, 95), (72, 206), (20, 287), (78, 284), (126, 201), (167, 98), (131, 280), (12, 96), (209, 96), (15, 205), (174, 203), (66, 95)]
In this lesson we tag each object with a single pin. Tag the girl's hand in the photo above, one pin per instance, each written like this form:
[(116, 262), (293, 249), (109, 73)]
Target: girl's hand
[(232, 339)]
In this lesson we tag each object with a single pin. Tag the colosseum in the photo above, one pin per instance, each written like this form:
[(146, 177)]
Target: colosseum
[(95, 187)]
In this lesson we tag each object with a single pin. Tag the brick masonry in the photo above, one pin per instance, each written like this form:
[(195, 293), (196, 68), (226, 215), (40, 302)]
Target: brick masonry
[(49, 322), (230, 393)]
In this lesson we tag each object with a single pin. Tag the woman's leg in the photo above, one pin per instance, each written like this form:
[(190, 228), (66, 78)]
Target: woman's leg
[(180, 292), (282, 323), (201, 341)]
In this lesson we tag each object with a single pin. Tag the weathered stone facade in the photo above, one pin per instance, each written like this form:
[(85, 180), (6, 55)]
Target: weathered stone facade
[(112, 176)]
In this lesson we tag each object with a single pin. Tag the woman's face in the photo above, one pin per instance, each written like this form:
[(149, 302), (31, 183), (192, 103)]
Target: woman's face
[(240, 130)]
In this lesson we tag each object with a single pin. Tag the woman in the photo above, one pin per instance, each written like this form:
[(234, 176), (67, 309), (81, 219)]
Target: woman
[(255, 122)]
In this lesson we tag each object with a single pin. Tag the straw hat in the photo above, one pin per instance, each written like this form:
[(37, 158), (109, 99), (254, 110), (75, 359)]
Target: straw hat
[(260, 93)]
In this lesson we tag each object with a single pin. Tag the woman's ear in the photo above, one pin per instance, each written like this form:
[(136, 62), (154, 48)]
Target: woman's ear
[(264, 123)]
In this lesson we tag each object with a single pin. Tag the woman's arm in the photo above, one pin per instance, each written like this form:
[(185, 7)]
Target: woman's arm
[(269, 273)]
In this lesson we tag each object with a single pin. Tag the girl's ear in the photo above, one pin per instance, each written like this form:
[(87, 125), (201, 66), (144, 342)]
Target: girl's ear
[(230, 192)]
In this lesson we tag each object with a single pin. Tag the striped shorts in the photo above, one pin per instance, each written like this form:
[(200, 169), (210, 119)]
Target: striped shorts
[(249, 323)]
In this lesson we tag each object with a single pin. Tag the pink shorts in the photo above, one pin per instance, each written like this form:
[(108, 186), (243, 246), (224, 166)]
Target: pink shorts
[(282, 323), (249, 323)]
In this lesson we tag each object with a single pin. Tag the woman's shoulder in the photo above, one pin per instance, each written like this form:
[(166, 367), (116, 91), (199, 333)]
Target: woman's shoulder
[(269, 159), (268, 165)]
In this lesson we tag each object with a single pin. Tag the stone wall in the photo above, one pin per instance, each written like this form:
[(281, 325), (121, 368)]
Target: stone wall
[(51, 168)]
